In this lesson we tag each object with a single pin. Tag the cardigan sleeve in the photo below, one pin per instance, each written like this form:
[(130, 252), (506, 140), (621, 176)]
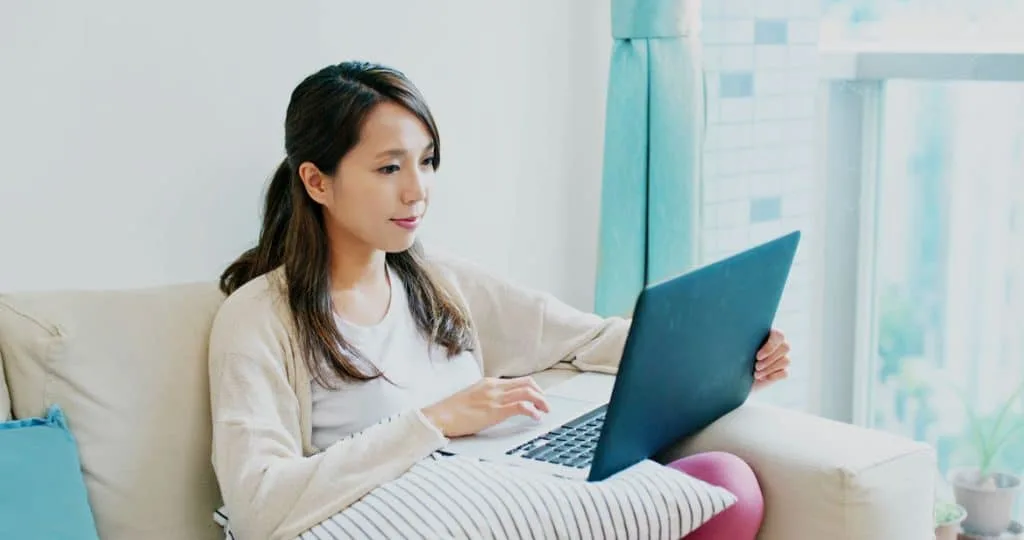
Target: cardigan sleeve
[(270, 488), (524, 331)]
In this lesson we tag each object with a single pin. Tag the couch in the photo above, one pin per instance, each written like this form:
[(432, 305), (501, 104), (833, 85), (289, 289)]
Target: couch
[(129, 369)]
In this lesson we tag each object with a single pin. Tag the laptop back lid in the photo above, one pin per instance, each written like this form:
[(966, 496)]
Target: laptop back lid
[(689, 357)]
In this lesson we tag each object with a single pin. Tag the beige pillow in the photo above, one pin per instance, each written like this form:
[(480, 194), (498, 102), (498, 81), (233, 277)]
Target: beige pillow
[(129, 370)]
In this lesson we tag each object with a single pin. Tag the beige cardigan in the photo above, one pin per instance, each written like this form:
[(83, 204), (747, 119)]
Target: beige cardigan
[(275, 484)]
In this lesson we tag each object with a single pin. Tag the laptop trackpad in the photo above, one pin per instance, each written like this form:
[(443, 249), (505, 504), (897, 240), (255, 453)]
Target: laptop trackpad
[(593, 387)]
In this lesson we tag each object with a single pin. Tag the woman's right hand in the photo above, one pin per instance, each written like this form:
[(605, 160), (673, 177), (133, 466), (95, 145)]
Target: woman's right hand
[(486, 403)]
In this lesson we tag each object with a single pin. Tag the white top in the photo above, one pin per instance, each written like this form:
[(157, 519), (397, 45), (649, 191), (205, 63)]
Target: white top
[(420, 373)]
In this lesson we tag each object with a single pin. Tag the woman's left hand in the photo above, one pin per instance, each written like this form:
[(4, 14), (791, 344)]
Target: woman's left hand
[(772, 361)]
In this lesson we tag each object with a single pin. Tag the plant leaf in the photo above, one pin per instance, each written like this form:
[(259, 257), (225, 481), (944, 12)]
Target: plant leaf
[(1006, 409), (1007, 437), (975, 425), (996, 441)]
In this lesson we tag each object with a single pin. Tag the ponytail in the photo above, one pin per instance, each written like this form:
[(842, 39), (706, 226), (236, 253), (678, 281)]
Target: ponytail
[(269, 251)]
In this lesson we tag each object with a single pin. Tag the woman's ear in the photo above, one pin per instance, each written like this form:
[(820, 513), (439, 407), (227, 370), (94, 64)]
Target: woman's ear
[(317, 184)]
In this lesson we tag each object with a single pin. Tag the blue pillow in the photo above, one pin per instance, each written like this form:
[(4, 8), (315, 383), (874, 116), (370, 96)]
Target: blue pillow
[(42, 492)]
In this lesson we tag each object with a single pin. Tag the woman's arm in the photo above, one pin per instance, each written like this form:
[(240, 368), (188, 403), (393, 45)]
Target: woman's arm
[(271, 490), (524, 331)]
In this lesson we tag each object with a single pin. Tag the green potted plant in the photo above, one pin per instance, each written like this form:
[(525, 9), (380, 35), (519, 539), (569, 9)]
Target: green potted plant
[(948, 516), (989, 495)]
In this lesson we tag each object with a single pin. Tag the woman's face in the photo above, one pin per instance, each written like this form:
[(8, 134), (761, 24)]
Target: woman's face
[(379, 192)]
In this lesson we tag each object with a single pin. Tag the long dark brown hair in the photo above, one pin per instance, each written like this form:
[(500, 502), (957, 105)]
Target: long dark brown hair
[(324, 118)]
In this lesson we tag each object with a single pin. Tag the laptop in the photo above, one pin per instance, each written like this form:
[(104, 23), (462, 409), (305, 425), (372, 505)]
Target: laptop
[(688, 360)]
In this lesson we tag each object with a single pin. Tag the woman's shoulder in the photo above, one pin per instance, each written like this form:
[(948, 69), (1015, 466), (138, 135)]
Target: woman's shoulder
[(482, 291), (252, 315), (260, 296), (480, 285)]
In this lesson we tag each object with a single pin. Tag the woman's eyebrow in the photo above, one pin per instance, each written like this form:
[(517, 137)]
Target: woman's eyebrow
[(400, 152)]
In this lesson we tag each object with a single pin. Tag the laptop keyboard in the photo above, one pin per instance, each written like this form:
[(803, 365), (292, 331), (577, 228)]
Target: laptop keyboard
[(571, 444)]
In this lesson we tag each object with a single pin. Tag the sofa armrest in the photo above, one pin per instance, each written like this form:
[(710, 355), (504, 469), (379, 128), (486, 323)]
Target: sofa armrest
[(826, 479)]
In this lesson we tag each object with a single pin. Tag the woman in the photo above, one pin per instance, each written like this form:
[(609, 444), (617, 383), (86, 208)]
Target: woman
[(337, 319)]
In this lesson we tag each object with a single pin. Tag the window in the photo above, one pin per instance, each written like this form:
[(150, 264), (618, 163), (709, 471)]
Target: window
[(926, 146)]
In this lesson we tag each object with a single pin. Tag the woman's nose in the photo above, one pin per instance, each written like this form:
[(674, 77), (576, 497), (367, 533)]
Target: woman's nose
[(415, 187)]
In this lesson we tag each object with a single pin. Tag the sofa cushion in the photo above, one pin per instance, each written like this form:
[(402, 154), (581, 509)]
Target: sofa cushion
[(42, 494), (129, 369)]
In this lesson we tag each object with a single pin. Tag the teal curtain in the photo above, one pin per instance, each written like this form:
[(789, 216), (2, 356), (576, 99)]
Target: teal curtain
[(655, 122)]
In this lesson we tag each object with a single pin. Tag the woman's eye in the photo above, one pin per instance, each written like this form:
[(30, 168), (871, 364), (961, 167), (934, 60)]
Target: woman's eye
[(388, 169), (430, 161)]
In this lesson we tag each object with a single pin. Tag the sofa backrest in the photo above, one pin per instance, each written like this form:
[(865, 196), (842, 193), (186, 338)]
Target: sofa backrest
[(129, 368)]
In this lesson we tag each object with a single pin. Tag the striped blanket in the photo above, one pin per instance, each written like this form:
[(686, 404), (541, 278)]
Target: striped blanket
[(458, 497)]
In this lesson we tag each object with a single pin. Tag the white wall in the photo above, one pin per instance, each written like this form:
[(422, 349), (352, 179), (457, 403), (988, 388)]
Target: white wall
[(136, 137)]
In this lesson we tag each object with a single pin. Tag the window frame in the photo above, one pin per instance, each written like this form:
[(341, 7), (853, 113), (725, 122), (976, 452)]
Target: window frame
[(851, 84)]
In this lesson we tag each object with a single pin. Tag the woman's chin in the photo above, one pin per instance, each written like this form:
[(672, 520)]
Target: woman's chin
[(398, 245)]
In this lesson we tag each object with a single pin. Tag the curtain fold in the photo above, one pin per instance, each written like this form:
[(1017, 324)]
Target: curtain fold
[(654, 131)]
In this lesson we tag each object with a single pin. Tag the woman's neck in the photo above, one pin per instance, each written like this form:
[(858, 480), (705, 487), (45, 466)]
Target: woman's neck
[(360, 289), (357, 269)]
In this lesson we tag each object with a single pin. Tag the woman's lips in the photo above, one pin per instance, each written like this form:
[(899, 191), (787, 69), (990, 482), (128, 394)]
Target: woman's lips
[(407, 223)]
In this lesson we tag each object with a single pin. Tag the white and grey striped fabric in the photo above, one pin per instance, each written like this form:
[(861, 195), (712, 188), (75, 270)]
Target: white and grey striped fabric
[(458, 497)]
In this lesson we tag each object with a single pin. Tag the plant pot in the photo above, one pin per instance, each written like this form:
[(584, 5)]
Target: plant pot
[(989, 503), (948, 517)]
